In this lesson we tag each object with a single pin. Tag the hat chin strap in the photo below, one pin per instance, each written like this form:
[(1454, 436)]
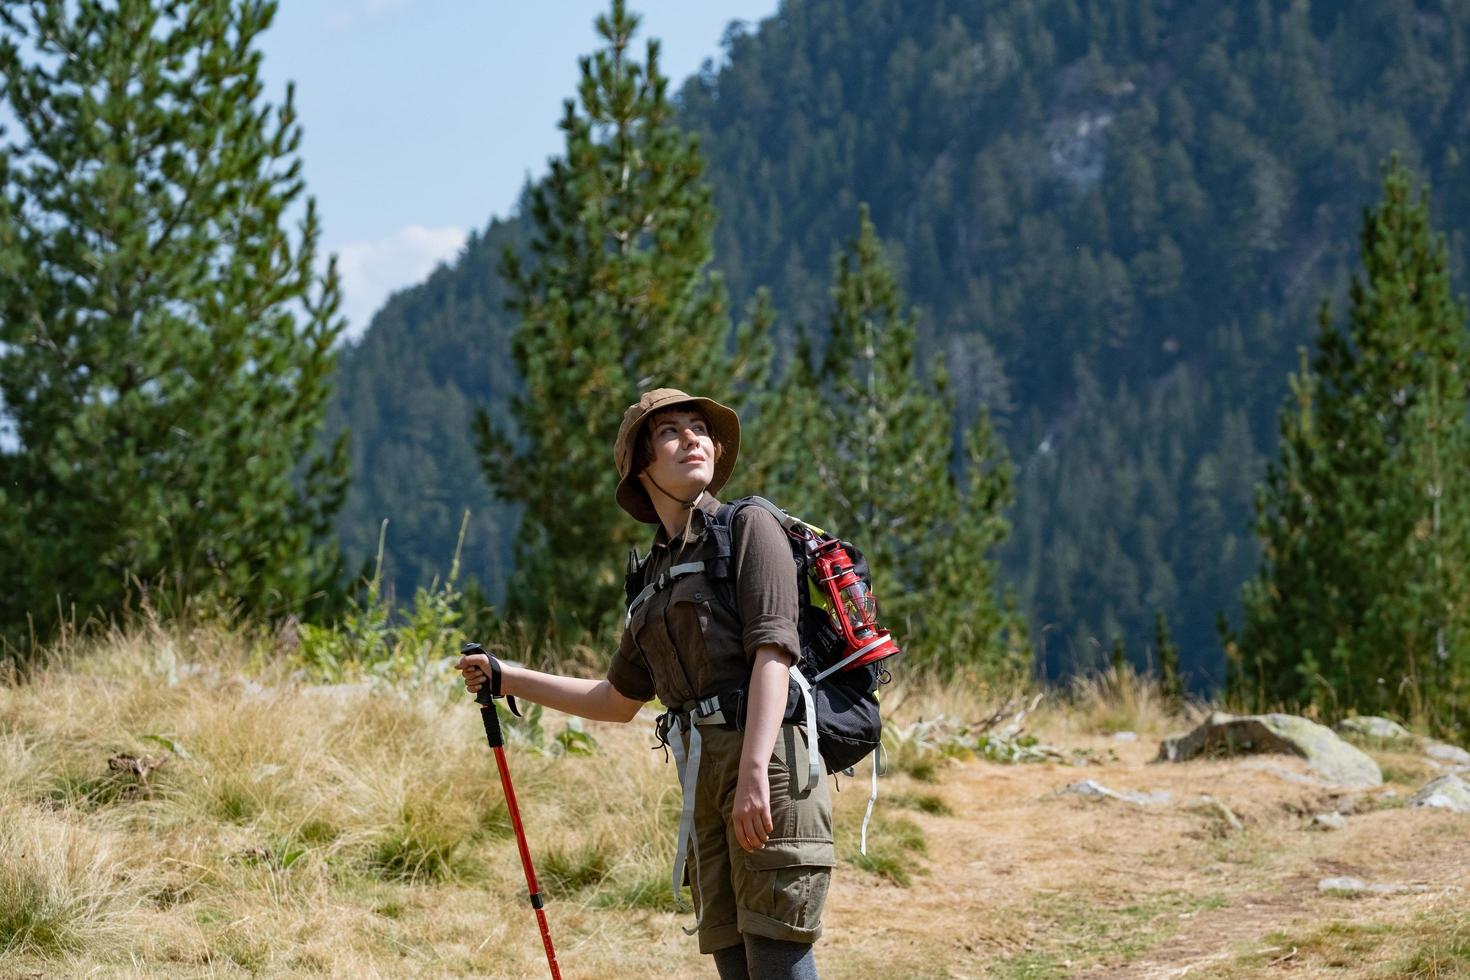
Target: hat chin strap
[(686, 504)]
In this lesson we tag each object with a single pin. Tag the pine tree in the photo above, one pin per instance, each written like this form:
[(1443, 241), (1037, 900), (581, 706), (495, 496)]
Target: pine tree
[(1365, 516), (616, 298), (868, 453), (1118, 659), (167, 346), (1170, 686)]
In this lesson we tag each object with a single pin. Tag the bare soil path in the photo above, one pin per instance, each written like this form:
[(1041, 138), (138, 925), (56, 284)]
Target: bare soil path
[(1023, 880)]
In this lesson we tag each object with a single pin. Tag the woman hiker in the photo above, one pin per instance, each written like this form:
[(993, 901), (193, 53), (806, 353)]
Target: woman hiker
[(760, 852)]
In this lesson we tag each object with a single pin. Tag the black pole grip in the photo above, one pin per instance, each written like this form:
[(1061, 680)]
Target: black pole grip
[(492, 679), (490, 715)]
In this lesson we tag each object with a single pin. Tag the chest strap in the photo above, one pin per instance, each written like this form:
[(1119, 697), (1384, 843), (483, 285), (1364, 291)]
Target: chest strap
[(668, 578)]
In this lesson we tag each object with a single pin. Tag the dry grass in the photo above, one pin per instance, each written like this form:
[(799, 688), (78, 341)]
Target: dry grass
[(354, 830), (1110, 701)]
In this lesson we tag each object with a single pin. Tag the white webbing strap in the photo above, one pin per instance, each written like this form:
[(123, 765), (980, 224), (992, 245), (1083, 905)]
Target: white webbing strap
[(785, 519), (688, 776), (662, 582), (882, 638), (872, 797), (810, 704)]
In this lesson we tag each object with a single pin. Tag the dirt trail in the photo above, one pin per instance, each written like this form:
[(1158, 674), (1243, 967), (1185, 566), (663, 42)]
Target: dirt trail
[(1023, 881)]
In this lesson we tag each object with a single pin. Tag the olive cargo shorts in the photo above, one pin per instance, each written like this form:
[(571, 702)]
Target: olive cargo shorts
[(777, 891)]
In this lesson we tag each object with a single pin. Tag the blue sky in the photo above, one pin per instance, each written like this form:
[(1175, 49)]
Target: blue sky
[(424, 118)]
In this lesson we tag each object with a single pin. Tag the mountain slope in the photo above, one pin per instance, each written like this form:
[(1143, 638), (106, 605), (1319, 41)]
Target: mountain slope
[(1118, 220)]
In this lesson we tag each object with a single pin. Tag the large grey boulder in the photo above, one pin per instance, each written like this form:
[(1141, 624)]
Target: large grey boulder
[(1446, 792), (1229, 735)]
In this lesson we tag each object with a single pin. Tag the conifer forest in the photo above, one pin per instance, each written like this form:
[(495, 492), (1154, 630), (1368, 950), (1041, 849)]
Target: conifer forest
[(1126, 332)]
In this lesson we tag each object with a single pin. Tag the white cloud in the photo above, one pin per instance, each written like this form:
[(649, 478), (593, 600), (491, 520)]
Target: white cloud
[(348, 14), (372, 270)]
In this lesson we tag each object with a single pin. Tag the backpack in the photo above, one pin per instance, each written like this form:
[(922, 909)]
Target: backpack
[(844, 701)]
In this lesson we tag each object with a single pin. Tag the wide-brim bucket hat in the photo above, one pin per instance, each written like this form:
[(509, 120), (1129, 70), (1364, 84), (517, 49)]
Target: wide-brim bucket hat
[(724, 426)]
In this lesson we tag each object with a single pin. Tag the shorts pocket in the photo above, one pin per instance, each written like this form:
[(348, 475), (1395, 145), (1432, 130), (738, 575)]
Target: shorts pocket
[(787, 852), (783, 887)]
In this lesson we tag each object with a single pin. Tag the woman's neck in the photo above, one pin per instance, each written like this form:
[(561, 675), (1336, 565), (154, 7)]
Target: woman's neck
[(673, 514)]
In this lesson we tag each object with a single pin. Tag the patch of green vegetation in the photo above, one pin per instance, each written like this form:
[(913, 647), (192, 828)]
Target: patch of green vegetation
[(34, 921), (235, 802), (1240, 847), (1336, 945), (315, 833), (494, 822), (1433, 946), (421, 846), (1439, 956), (564, 871), (1404, 771), (1082, 932), (922, 767), (885, 863), (923, 802), (1030, 966), (248, 952), (90, 790), (893, 843), (650, 892)]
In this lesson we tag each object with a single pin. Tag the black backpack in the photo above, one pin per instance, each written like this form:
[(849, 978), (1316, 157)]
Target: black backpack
[(847, 720)]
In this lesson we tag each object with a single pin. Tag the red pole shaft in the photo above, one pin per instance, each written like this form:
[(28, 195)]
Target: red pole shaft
[(535, 889)]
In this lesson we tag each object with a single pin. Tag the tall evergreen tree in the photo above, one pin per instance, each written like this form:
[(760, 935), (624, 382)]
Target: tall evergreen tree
[(167, 346), (1171, 686), (868, 447), (1365, 516), (616, 298)]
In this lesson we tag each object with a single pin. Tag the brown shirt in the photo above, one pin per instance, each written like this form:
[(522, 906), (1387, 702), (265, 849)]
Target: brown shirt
[(684, 642)]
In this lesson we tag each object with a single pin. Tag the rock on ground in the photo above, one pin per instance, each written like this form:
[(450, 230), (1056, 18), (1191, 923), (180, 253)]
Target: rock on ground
[(1371, 727), (1449, 754), (1357, 886), (1227, 735), (1447, 792), (1090, 787)]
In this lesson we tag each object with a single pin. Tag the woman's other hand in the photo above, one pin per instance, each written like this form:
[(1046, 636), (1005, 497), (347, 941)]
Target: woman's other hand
[(751, 814)]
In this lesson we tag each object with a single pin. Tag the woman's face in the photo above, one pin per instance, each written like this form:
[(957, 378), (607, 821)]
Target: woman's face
[(683, 453)]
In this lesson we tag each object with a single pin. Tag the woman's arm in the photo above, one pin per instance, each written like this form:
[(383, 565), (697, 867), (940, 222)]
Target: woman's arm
[(597, 700), (764, 705)]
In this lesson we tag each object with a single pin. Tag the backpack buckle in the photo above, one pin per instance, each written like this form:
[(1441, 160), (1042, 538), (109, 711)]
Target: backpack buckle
[(707, 706)]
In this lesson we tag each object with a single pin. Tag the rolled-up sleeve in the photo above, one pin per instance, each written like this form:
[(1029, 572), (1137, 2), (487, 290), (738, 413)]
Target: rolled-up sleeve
[(628, 673), (765, 583)]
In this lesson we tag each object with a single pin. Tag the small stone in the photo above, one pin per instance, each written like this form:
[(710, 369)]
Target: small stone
[(1357, 886), (1329, 821), (1343, 884), (1209, 806), (1096, 790), (1125, 736)]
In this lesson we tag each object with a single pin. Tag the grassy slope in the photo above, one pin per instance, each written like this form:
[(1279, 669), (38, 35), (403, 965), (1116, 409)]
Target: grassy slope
[(351, 831)]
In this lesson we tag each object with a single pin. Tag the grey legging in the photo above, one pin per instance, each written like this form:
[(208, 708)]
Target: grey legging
[(766, 959)]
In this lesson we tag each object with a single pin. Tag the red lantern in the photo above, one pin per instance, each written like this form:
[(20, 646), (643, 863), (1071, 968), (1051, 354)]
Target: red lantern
[(854, 609)]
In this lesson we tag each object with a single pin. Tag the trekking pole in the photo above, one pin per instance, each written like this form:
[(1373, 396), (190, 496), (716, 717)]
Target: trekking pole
[(485, 698)]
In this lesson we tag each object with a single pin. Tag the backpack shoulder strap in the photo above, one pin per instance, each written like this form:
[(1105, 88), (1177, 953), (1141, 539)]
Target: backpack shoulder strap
[(723, 572)]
